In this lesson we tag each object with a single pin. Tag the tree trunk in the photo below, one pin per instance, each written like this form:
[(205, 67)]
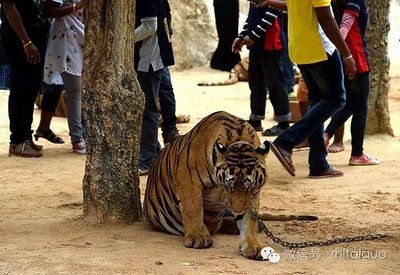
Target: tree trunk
[(113, 108), (377, 36)]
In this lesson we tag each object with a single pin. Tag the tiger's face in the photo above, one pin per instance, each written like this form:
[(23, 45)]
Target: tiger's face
[(241, 171)]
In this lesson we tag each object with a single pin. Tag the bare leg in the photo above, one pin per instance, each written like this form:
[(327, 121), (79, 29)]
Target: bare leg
[(337, 145)]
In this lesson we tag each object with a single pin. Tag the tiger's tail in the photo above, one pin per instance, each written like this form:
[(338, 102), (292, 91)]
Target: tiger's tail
[(281, 218), (233, 79)]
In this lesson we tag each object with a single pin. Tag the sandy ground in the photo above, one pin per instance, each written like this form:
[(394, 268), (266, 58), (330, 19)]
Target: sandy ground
[(40, 208)]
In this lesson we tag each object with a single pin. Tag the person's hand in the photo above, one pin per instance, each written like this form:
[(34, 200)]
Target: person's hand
[(350, 67), (247, 41), (237, 45), (81, 4), (263, 3), (32, 53)]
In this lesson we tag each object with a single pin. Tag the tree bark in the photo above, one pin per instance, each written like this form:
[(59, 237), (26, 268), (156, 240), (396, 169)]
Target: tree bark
[(377, 36), (113, 108)]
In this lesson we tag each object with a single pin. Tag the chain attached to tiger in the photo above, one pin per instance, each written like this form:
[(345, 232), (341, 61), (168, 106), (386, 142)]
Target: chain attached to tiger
[(293, 245)]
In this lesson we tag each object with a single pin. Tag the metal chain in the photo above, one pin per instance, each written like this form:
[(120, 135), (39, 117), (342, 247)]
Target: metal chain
[(292, 245)]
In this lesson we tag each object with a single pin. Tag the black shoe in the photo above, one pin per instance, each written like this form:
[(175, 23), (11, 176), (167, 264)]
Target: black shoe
[(171, 136), (256, 124), (273, 132)]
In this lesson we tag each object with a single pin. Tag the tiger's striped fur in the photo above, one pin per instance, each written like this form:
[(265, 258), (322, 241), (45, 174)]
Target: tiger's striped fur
[(209, 180), (185, 195), (240, 72)]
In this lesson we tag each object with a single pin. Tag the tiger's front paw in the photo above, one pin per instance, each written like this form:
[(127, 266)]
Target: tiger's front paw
[(251, 250), (198, 241)]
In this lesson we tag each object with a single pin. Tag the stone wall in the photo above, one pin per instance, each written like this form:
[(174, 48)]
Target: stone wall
[(194, 36)]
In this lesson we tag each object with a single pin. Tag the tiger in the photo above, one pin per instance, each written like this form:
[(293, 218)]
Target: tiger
[(238, 73), (208, 181)]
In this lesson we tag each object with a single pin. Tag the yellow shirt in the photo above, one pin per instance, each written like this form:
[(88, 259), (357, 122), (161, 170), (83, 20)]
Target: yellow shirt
[(305, 43)]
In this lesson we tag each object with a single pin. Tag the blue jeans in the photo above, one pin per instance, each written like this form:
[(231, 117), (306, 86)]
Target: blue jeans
[(266, 72), (356, 106), (167, 103), (150, 84), (326, 94)]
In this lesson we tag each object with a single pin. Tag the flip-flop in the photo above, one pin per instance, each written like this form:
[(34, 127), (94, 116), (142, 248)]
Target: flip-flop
[(285, 158), (332, 172)]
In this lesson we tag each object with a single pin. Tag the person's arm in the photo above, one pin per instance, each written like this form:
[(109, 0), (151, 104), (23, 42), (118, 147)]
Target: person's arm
[(14, 18), (266, 21), (259, 31), (237, 43), (147, 28), (331, 29), (276, 4), (55, 9), (347, 23)]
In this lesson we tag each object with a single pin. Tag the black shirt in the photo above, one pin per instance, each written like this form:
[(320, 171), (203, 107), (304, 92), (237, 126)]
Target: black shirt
[(33, 18)]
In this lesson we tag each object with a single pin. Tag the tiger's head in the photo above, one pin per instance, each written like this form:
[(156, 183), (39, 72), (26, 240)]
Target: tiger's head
[(241, 171)]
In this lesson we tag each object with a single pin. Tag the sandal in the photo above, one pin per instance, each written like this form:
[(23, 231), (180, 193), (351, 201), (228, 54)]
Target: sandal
[(49, 135), (332, 172), (285, 158), (273, 132)]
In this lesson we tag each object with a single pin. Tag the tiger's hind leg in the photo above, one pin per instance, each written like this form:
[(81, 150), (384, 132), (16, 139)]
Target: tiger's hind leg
[(229, 226)]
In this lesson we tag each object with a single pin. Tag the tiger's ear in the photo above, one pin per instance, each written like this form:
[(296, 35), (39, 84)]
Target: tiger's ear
[(264, 148), (220, 147)]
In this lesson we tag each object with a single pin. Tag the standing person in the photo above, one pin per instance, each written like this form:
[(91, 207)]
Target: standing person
[(227, 23), (24, 31), (153, 52), (353, 19), (168, 108), (63, 65), (321, 67), (263, 35)]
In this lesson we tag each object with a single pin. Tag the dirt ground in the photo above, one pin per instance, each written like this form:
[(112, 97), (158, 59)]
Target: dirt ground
[(41, 230)]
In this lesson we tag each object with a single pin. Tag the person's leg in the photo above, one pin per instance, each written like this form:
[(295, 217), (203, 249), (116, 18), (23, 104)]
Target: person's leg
[(258, 95), (336, 126), (275, 82), (23, 92), (168, 108), (150, 85), (287, 63), (73, 89), (51, 96), (360, 88), (326, 96)]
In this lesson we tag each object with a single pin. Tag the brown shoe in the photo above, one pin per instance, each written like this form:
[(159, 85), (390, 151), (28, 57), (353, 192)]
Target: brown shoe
[(35, 146), (24, 150), (332, 172)]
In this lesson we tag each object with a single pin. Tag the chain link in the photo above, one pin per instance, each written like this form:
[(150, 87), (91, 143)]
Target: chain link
[(292, 245)]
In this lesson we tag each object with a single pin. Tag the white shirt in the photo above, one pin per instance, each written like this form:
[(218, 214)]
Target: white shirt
[(329, 47), (65, 47)]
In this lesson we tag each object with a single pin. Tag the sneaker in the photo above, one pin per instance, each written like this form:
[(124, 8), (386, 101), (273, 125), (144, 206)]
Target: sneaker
[(79, 147), (24, 150), (35, 146), (364, 159), (171, 136), (256, 124), (273, 131)]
